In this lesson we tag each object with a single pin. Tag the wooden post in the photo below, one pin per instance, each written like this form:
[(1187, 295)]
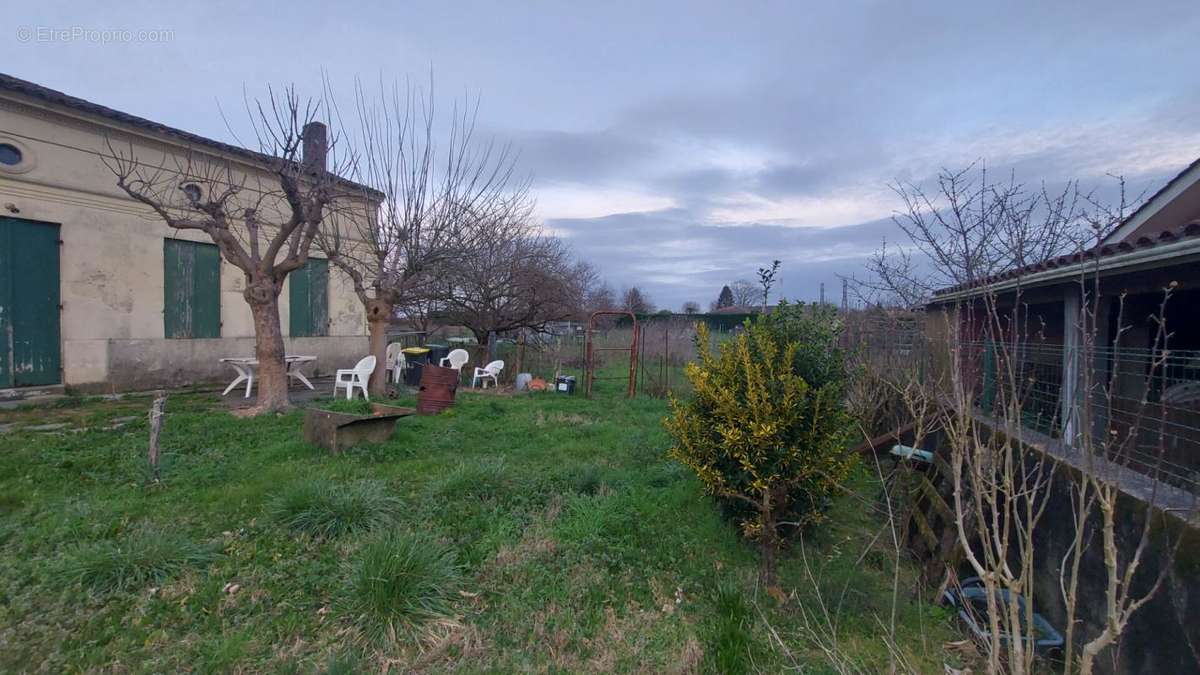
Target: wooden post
[(667, 357), (156, 421), (520, 352)]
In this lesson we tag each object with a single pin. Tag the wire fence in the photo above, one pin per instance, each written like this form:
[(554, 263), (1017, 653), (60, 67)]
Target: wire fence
[(1138, 406), (665, 345)]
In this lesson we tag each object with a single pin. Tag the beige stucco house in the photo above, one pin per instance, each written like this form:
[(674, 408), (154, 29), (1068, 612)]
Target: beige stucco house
[(85, 272)]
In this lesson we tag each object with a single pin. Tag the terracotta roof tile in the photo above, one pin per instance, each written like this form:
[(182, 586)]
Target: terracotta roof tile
[(1189, 231)]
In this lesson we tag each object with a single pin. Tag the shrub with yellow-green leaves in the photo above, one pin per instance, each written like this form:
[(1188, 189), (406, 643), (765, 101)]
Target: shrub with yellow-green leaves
[(770, 445)]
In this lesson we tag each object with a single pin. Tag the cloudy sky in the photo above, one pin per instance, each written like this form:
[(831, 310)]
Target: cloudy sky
[(679, 146)]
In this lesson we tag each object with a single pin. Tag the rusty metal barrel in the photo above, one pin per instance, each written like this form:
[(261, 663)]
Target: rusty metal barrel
[(437, 389)]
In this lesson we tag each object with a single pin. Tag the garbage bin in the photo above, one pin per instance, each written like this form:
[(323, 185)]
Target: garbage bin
[(415, 359), (437, 353), (565, 384)]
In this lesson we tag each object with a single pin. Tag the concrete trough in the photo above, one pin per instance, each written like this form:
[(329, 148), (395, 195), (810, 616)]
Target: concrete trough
[(336, 431)]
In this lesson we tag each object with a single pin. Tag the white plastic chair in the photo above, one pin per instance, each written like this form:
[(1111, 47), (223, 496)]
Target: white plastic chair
[(456, 359), (355, 377), (394, 361), (491, 370)]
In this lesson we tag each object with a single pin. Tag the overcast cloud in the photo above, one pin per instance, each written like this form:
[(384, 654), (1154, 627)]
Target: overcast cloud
[(680, 146)]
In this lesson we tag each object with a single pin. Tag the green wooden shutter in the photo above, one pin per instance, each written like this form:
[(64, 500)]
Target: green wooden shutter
[(308, 299), (30, 349), (191, 289)]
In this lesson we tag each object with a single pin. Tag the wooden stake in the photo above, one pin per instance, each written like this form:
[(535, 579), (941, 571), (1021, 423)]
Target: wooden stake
[(520, 352), (156, 421)]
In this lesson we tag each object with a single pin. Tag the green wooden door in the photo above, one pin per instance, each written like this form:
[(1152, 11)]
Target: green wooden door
[(308, 299), (191, 289), (31, 353)]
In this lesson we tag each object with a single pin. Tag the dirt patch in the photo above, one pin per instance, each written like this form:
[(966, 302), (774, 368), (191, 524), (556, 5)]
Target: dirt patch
[(443, 644), (623, 635), (689, 657), (535, 543)]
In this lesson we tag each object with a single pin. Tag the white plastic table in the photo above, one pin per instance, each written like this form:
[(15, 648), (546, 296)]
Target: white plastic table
[(245, 370)]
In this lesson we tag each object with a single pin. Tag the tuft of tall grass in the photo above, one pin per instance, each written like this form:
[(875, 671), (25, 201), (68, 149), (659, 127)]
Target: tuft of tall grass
[(483, 479), (144, 556), (324, 509), (588, 479), (400, 580), (730, 643)]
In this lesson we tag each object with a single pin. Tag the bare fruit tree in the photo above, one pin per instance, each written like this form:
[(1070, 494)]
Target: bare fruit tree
[(970, 228), (980, 382), (437, 185), (600, 297), (263, 212), (517, 277)]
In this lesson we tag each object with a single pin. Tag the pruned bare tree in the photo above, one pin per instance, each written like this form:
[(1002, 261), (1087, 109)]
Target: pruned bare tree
[(438, 184), (1112, 442), (263, 212)]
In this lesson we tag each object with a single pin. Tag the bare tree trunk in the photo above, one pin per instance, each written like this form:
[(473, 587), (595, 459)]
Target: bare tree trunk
[(267, 234), (268, 348), (379, 313), (769, 542)]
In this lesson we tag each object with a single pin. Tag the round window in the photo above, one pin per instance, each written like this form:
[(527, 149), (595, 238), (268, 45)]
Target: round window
[(192, 191), (10, 155)]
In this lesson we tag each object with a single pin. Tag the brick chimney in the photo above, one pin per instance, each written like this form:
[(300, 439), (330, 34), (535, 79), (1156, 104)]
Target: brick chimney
[(315, 147)]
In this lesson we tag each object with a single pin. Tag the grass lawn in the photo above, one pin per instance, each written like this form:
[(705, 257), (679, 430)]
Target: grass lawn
[(544, 533)]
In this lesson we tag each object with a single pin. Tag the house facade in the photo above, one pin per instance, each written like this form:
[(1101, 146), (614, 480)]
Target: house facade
[(1140, 378), (97, 293), (1093, 360)]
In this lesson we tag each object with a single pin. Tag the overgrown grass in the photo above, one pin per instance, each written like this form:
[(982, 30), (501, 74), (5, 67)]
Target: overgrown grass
[(525, 533), (730, 637), (400, 580), (324, 509), (143, 557)]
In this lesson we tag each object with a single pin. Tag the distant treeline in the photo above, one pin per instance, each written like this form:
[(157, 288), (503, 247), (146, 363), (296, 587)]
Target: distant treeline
[(717, 322)]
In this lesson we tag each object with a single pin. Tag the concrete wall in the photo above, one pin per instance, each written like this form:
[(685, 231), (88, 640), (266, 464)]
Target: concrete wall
[(143, 364), (111, 263), (1162, 636)]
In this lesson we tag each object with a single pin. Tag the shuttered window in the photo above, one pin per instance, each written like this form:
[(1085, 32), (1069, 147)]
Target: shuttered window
[(308, 299), (192, 289)]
